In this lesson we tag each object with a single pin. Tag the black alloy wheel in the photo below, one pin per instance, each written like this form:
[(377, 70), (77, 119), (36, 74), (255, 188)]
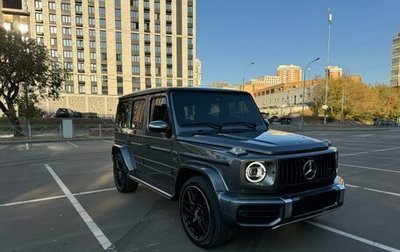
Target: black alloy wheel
[(196, 213), (200, 214), (122, 181)]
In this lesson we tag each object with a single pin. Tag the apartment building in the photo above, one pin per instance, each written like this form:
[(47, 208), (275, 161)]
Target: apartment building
[(334, 72), (266, 80), (14, 15), (111, 47), (289, 73)]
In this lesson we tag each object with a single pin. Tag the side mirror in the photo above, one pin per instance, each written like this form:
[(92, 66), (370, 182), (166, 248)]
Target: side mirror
[(266, 123), (158, 126)]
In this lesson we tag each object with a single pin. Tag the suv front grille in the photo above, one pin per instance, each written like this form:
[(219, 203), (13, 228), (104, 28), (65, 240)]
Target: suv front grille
[(291, 170)]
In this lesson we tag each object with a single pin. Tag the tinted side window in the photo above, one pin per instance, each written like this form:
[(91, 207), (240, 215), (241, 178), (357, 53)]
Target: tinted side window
[(137, 114), (158, 109), (121, 120)]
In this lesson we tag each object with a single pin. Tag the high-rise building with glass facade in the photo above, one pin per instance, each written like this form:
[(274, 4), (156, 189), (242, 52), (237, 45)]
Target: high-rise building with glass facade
[(395, 73)]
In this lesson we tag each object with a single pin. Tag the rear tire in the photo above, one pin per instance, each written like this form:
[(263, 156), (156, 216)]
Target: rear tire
[(200, 214), (121, 179)]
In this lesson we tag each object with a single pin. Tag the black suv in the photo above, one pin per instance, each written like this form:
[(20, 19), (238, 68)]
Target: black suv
[(212, 150)]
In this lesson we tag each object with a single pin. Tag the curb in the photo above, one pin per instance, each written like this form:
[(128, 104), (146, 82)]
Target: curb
[(19, 141)]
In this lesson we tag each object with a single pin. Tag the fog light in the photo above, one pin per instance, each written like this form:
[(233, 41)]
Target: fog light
[(255, 172)]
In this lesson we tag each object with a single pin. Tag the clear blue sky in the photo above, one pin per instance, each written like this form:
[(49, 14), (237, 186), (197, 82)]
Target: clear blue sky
[(233, 33)]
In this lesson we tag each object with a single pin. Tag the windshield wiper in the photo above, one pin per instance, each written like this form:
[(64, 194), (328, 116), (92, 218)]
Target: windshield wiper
[(209, 124), (247, 124)]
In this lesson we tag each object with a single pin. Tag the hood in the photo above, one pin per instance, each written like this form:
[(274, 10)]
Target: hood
[(270, 142)]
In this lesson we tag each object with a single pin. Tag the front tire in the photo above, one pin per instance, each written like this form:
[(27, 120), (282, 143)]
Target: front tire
[(121, 179), (200, 214)]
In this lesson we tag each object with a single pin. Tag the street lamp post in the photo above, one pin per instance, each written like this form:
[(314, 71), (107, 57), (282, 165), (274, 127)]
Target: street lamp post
[(325, 107), (245, 68), (304, 92)]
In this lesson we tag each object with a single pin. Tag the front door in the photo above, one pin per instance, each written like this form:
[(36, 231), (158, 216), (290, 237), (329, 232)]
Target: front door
[(160, 159)]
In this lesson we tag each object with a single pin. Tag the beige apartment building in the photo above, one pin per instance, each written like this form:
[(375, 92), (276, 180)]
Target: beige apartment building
[(289, 73), (111, 48), (266, 80)]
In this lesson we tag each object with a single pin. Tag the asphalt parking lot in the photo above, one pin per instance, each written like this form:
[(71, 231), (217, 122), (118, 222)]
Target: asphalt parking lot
[(60, 196)]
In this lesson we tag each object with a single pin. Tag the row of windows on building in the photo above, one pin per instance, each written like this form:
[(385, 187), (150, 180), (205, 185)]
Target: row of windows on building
[(134, 3), (67, 19), (69, 87), (135, 57), (287, 99), (135, 69)]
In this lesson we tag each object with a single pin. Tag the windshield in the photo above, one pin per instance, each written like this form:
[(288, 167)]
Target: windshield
[(216, 110)]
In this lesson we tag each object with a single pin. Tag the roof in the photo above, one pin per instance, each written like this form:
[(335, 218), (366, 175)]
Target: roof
[(169, 89)]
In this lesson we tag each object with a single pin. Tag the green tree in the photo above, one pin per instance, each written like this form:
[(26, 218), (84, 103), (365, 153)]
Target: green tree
[(25, 66)]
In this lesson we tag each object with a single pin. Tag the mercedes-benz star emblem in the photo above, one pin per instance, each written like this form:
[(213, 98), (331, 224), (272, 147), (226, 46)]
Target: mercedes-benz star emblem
[(310, 169)]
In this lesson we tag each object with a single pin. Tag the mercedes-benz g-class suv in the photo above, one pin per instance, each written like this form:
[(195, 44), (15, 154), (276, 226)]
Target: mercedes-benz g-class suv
[(212, 150)]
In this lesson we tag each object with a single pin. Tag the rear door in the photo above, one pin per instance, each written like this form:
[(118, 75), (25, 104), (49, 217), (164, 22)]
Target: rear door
[(122, 122), (135, 134)]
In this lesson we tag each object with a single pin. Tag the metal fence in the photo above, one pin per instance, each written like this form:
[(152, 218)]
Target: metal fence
[(52, 128)]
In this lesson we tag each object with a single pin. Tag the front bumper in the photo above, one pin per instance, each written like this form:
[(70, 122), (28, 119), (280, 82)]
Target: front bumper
[(269, 211)]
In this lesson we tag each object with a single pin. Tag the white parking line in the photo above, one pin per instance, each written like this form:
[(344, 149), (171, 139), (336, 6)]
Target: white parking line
[(95, 191), (354, 237), (76, 146), (370, 168), (56, 197), (362, 141), (352, 186), (108, 141), (27, 146), (31, 201), (380, 191), (352, 148), (366, 152), (374, 190), (96, 231), (362, 135)]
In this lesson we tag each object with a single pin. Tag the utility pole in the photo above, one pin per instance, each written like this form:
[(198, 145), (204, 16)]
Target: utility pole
[(304, 92), (245, 68), (341, 117), (325, 106)]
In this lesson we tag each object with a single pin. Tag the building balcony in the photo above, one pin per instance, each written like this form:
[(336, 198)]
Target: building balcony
[(17, 12)]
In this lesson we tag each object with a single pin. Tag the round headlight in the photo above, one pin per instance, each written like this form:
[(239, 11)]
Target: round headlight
[(255, 172)]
